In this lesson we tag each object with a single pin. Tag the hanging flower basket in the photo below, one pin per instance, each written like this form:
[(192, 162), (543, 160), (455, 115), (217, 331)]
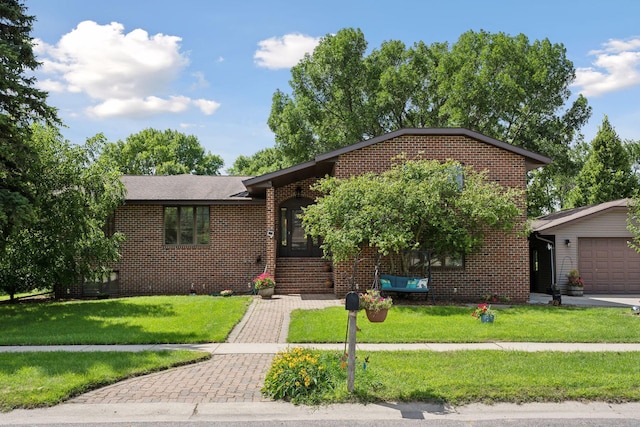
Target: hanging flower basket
[(377, 316), (375, 305)]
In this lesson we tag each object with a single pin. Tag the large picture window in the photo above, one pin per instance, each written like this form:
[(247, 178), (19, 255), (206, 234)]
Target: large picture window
[(186, 225)]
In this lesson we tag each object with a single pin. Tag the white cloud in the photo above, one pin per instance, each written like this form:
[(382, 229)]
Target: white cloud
[(140, 107), (49, 85), (206, 106), (617, 66), (285, 51), (128, 73)]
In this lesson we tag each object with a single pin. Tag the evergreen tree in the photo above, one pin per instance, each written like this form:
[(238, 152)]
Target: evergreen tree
[(21, 104), (606, 174)]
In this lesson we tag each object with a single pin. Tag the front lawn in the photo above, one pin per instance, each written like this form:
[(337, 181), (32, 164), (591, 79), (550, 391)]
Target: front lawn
[(461, 377), (141, 320), (29, 380), (454, 324)]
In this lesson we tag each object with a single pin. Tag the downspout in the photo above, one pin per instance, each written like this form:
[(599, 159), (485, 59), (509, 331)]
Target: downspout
[(555, 292)]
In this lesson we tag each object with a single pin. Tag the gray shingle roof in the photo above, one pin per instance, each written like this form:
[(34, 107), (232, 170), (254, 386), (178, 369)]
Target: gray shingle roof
[(185, 188)]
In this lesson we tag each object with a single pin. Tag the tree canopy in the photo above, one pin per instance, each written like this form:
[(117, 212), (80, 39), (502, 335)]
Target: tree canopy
[(21, 104), (505, 87), (606, 174), (72, 202), (416, 205), (262, 162), (154, 152)]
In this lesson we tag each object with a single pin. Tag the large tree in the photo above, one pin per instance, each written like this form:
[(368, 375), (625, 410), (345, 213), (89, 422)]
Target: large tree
[(21, 104), (264, 161), (155, 152), (505, 87), (416, 205), (74, 196), (606, 174)]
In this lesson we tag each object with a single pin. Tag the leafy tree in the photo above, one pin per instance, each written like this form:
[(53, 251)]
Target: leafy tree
[(606, 174), (72, 202), (633, 221), (264, 161), (633, 150), (20, 105), (504, 87), (417, 204), (153, 152), (549, 187)]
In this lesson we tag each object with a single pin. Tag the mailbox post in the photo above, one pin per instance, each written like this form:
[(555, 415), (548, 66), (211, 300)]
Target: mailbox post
[(352, 303)]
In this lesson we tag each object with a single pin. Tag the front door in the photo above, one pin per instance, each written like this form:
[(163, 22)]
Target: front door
[(293, 240)]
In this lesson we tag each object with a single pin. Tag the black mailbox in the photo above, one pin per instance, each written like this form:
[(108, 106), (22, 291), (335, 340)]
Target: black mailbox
[(352, 301)]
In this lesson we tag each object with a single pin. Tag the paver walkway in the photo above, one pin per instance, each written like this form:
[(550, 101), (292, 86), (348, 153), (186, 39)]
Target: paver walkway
[(225, 377)]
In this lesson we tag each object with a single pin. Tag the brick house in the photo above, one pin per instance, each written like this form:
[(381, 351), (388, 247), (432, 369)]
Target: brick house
[(203, 234)]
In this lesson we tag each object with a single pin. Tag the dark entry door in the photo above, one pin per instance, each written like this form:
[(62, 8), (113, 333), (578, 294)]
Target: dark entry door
[(293, 240)]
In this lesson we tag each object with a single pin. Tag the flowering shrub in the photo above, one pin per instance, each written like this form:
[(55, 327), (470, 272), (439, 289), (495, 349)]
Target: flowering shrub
[(298, 375), (483, 309), (575, 279), (226, 293), (263, 281), (372, 300)]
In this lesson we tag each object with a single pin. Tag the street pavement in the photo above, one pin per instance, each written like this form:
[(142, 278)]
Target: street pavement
[(226, 388)]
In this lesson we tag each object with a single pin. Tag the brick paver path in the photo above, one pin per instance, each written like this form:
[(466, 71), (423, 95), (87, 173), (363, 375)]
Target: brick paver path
[(225, 377)]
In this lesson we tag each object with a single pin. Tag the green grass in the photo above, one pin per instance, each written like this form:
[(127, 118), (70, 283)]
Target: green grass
[(449, 324), (5, 297), (461, 377), (29, 380), (143, 320)]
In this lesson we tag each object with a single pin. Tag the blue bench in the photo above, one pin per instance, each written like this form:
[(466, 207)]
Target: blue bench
[(404, 285)]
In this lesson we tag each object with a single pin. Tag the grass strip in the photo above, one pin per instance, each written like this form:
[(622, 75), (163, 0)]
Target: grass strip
[(487, 376), (141, 320), (454, 324), (29, 380)]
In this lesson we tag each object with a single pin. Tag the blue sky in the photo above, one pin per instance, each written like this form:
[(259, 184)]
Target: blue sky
[(210, 68)]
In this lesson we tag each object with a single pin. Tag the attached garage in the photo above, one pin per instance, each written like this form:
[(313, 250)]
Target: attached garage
[(608, 266), (593, 240)]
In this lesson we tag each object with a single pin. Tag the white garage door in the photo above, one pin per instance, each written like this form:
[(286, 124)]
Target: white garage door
[(608, 266)]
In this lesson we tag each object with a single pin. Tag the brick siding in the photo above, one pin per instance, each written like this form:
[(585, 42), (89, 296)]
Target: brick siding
[(502, 264), (239, 248), (234, 255)]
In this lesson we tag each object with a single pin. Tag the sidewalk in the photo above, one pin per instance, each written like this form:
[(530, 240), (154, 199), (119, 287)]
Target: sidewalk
[(227, 387)]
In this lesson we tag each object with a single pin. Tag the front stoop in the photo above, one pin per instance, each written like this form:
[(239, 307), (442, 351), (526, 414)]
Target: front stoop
[(303, 276)]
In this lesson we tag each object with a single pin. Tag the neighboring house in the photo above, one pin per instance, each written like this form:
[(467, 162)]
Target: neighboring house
[(593, 240), (204, 234)]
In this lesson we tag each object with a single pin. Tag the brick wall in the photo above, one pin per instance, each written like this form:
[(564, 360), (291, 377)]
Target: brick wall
[(236, 252), (502, 265), (239, 248)]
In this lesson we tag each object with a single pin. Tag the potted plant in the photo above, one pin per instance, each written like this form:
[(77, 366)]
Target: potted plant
[(375, 305), (265, 285), (484, 313), (575, 286)]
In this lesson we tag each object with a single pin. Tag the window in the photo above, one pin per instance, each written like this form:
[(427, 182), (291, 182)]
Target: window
[(448, 261), (186, 225)]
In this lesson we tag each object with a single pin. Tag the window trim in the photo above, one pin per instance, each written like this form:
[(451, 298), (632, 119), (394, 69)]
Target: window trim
[(194, 223)]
